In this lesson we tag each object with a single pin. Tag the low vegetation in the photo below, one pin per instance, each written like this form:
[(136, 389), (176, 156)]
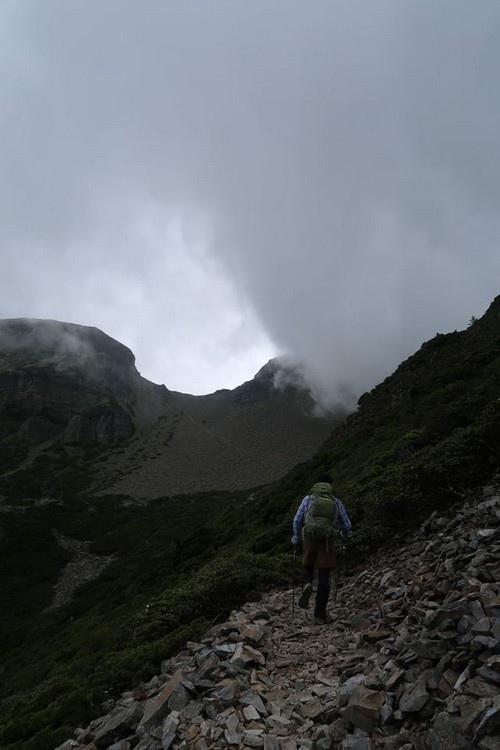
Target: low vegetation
[(424, 436)]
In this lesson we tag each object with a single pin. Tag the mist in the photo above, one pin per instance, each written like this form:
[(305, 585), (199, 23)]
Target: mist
[(228, 181)]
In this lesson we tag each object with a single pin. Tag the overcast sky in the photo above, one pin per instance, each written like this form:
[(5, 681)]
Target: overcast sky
[(216, 182)]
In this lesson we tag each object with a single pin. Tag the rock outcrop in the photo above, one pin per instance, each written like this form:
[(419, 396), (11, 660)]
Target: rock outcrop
[(64, 381), (411, 661), (82, 568)]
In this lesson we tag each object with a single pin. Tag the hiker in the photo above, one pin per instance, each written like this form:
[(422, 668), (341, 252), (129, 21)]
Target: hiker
[(319, 521)]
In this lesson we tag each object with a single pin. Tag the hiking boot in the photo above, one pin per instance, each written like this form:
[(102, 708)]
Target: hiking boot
[(305, 596), (326, 620)]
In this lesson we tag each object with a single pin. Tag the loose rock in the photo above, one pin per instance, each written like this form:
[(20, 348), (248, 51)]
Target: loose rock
[(411, 660)]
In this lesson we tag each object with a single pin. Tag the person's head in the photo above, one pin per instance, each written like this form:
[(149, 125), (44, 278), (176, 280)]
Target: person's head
[(325, 478)]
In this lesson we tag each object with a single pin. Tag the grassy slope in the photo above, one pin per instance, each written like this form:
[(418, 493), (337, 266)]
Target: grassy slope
[(179, 564), (428, 432)]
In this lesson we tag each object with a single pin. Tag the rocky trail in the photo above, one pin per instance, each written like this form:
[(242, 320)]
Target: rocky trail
[(412, 660)]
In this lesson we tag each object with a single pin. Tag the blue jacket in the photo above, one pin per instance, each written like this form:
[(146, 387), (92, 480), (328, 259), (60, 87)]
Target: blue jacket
[(344, 524)]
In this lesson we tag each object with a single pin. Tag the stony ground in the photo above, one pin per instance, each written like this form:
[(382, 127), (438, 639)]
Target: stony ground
[(202, 443), (82, 568), (412, 660)]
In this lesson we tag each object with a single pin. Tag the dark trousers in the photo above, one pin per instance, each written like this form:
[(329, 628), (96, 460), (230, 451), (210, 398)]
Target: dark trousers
[(323, 590), (320, 553)]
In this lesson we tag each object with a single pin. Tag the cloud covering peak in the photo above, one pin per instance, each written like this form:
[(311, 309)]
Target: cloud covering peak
[(222, 181)]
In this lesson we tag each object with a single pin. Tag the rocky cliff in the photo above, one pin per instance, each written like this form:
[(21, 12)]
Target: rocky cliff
[(59, 380)]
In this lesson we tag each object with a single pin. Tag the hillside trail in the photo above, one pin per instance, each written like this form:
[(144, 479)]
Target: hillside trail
[(411, 660)]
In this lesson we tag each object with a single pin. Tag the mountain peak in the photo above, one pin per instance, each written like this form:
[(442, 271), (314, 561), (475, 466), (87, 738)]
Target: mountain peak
[(61, 344), (65, 387), (280, 372)]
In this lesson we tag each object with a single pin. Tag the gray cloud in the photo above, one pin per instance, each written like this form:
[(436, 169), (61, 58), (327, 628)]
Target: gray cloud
[(336, 162)]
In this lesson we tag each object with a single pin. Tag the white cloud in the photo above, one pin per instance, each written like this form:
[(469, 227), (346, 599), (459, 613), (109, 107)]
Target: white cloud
[(170, 302)]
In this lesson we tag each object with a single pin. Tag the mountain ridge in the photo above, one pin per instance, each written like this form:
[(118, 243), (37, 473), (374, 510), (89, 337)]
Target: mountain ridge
[(68, 388)]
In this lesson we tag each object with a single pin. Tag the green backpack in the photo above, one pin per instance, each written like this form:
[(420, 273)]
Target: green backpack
[(321, 517)]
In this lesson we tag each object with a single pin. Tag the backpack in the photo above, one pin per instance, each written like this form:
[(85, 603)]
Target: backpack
[(321, 516)]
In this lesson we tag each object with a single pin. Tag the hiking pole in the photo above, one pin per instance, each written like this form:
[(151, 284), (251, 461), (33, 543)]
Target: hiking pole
[(336, 575), (293, 579)]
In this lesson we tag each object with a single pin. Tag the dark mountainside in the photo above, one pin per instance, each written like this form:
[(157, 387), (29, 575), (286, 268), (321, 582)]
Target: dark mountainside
[(158, 574), (72, 395)]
